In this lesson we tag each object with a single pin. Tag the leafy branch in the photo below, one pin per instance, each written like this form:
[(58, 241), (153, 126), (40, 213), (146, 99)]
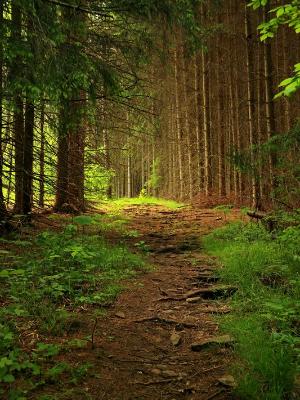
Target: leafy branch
[(287, 14)]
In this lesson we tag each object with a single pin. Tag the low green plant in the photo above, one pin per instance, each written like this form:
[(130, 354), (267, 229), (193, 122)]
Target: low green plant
[(225, 209), (265, 269), (141, 245), (119, 204), (43, 289)]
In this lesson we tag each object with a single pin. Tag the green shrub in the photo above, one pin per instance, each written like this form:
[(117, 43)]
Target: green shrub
[(44, 288), (266, 308)]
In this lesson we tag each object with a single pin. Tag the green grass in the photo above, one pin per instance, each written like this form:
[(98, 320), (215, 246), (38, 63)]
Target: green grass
[(119, 204), (265, 319), (42, 286)]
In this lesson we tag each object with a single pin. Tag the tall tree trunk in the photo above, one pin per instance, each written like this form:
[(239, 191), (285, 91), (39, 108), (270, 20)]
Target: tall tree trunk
[(198, 120), (287, 107), (76, 156), (109, 190), (18, 114), (178, 127), (28, 157), (129, 175), (2, 203), (42, 158), (206, 126), (221, 127), (251, 108), (270, 109), (62, 195), (71, 140), (187, 127)]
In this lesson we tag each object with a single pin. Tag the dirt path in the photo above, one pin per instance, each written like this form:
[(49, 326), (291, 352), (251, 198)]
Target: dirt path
[(143, 346)]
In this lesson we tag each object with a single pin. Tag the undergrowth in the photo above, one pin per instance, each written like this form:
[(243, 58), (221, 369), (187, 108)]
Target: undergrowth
[(265, 318), (43, 283), (119, 204)]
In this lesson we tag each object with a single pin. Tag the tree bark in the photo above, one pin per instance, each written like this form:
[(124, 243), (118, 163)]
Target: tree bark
[(178, 127), (270, 109), (187, 127), (251, 109), (62, 195), (28, 158), (42, 158), (76, 139), (221, 127), (2, 202), (206, 126), (18, 114)]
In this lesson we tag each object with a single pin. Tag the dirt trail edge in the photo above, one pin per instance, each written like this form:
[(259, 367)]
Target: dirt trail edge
[(159, 340)]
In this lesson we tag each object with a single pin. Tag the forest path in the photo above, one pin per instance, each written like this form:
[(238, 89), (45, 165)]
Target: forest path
[(143, 345)]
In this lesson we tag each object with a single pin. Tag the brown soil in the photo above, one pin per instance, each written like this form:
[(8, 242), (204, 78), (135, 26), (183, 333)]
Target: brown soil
[(133, 357)]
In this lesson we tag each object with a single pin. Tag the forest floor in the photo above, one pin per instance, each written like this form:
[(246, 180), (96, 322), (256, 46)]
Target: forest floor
[(143, 346), (159, 339)]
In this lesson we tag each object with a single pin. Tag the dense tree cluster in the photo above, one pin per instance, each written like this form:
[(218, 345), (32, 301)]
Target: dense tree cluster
[(66, 65), (120, 98), (220, 130)]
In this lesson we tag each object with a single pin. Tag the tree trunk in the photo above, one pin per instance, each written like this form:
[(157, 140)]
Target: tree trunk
[(198, 119), (270, 110), (178, 127), (2, 203), (71, 140), (221, 127), (28, 158), (206, 126), (251, 109), (18, 115), (42, 158), (76, 156), (129, 193), (187, 127), (62, 195)]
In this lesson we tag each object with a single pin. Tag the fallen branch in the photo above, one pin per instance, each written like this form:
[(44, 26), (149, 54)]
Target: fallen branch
[(257, 215), (93, 333), (165, 321), (162, 381), (171, 298), (212, 290), (215, 394)]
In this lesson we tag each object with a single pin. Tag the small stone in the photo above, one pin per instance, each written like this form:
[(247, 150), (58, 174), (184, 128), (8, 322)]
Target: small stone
[(224, 340), (162, 366), (228, 380), (175, 339), (193, 299), (156, 371), (120, 314), (170, 374)]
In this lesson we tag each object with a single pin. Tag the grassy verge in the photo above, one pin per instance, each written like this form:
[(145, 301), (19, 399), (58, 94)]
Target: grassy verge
[(119, 204), (45, 283), (265, 319)]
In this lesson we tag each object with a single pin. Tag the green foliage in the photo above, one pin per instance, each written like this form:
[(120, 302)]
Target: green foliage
[(286, 14), (284, 148), (290, 85), (265, 268), (142, 246), (119, 204), (97, 180), (152, 185), (225, 209), (66, 270), (83, 220)]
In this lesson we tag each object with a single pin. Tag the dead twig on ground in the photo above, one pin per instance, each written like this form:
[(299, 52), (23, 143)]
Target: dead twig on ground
[(215, 394), (158, 319)]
